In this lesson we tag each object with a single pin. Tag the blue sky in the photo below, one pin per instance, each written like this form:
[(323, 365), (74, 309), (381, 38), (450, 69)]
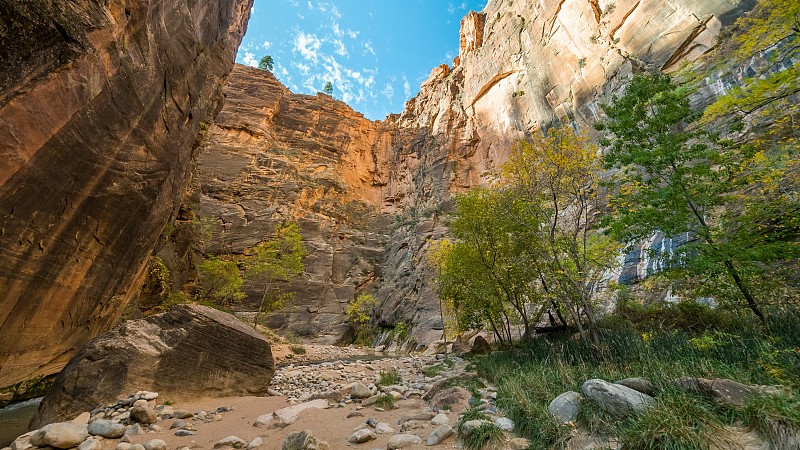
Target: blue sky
[(375, 52)]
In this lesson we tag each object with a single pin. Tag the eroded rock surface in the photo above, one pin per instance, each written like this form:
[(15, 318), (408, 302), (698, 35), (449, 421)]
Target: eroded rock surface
[(176, 353), (101, 104)]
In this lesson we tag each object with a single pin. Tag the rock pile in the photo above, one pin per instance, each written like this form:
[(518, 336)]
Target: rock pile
[(132, 415)]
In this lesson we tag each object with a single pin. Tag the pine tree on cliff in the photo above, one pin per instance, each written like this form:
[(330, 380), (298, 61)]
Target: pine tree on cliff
[(328, 89), (266, 63)]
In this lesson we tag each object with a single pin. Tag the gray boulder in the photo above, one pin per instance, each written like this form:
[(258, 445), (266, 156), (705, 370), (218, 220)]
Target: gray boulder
[(90, 444), (106, 428), (155, 444), (438, 436), (361, 436), (231, 442), (471, 425), (60, 435), (402, 441), (638, 384), (565, 407), (615, 398), (455, 399), (175, 354), (144, 414), (360, 391), (303, 440), (504, 424)]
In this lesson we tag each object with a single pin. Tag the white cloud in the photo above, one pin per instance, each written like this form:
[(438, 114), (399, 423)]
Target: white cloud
[(250, 59), (303, 68), (308, 45), (266, 45), (406, 87), (368, 48), (340, 48), (388, 91)]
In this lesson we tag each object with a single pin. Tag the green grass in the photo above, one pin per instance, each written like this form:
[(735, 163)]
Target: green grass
[(297, 349), (775, 417), (432, 371), (486, 435), (529, 377), (390, 377), (385, 401)]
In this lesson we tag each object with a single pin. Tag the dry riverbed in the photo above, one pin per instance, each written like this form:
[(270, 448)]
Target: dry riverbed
[(334, 400)]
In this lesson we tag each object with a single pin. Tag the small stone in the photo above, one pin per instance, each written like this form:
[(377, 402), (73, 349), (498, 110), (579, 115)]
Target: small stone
[(141, 402), (136, 447), (150, 395), (180, 423), (303, 440), (441, 433), (440, 419), (60, 435), (134, 429), (123, 446), (355, 414), (82, 419), (255, 443), (504, 424), (360, 391), (402, 441), (155, 444), (155, 428), (361, 436), (232, 442), (185, 433), (106, 428), (383, 428), (144, 414), (90, 444), (181, 414), (469, 426)]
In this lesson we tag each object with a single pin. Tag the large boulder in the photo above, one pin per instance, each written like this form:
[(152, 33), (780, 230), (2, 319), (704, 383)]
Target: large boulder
[(615, 398), (720, 389), (60, 435), (564, 408), (189, 352), (480, 346), (455, 399), (101, 107)]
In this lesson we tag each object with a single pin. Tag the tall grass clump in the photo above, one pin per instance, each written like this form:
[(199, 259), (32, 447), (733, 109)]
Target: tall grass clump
[(776, 417), (530, 376), (390, 377), (486, 435)]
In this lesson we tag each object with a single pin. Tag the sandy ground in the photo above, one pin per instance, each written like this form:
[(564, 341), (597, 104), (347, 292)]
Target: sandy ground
[(330, 425)]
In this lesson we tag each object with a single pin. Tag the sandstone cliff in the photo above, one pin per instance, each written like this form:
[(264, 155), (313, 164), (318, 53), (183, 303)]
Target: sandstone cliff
[(370, 196), (100, 107)]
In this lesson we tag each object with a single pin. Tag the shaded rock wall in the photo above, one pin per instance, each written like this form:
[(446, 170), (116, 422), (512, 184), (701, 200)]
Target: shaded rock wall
[(100, 107)]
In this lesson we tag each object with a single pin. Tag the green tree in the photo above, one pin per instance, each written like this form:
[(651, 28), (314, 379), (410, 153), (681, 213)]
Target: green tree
[(328, 89), (278, 259), (682, 179), (266, 63), (361, 310), (220, 280), (553, 180)]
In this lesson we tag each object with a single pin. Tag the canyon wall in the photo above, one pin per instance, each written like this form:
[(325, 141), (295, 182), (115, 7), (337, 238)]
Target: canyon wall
[(100, 107), (370, 197)]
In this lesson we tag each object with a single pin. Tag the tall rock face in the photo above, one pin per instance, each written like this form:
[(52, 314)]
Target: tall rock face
[(274, 156), (523, 66), (101, 103)]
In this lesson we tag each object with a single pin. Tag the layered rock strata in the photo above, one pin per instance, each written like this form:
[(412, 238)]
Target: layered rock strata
[(100, 107), (274, 156)]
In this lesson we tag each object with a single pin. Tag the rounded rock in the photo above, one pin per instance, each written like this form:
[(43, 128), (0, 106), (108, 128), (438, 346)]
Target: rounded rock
[(60, 435), (106, 428)]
